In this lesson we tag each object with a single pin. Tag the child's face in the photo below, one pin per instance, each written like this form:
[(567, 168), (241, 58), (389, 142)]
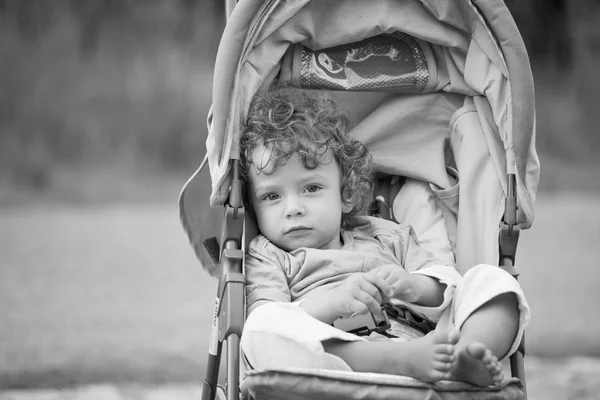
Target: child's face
[(297, 207)]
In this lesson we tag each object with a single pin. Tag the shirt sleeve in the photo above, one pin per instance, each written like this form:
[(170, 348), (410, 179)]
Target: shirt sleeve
[(266, 280)]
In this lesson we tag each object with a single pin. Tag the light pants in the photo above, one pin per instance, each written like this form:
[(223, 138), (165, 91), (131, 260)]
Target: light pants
[(280, 335)]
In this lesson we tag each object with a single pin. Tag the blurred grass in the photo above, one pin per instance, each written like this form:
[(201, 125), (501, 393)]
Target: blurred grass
[(130, 88), (557, 258), (108, 293)]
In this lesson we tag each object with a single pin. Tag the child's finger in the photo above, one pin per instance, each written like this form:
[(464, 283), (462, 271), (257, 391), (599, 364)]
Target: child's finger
[(380, 283), (371, 303), (365, 288), (357, 307), (374, 292), (381, 272)]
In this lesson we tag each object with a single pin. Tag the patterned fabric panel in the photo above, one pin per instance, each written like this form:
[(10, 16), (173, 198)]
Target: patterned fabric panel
[(389, 62)]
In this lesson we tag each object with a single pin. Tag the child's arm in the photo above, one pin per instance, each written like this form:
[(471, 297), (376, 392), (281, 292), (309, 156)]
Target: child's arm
[(420, 278), (266, 280), (413, 288), (360, 293)]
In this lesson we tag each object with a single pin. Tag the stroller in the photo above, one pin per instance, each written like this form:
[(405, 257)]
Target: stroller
[(442, 95)]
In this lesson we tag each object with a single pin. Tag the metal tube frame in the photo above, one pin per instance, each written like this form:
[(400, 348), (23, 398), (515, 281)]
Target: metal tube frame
[(228, 318), (508, 239)]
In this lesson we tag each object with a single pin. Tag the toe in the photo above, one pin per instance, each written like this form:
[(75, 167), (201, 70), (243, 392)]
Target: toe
[(447, 349), (441, 366), (477, 350), (499, 370), (453, 336), (440, 375), (488, 357), (444, 357), (446, 336), (495, 368), (497, 378)]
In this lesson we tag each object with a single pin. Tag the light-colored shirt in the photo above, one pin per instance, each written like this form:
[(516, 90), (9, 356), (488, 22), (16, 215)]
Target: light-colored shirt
[(273, 274)]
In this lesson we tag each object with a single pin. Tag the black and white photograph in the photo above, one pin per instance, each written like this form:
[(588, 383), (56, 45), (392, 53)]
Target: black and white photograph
[(296, 199)]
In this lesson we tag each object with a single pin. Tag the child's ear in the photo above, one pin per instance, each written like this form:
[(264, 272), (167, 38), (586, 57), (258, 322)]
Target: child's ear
[(346, 208)]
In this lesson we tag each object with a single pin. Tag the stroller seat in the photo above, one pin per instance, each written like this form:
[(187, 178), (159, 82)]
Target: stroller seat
[(310, 384)]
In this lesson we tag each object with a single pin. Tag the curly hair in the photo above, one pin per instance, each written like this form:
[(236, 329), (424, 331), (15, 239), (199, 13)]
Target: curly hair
[(288, 121)]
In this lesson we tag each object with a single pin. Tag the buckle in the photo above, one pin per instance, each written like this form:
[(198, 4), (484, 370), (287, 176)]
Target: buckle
[(411, 318), (364, 324)]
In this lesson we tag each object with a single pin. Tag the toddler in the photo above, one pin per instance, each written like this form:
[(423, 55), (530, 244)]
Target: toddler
[(316, 260)]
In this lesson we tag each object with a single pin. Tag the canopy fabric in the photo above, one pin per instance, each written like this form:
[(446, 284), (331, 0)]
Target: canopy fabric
[(471, 56)]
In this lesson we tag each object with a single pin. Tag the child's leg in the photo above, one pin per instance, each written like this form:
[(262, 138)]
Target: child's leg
[(486, 336), (427, 358), (280, 335), (487, 311)]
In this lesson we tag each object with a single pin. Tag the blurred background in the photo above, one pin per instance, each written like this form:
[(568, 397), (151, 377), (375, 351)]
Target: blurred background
[(103, 108)]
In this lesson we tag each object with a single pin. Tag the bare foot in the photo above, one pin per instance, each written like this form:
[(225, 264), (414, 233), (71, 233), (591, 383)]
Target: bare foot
[(476, 364), (429, 358)]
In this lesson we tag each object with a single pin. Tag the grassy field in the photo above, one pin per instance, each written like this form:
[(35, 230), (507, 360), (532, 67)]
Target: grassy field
[(113, 293)]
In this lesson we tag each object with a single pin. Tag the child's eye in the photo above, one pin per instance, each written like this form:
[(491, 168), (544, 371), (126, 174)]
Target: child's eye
[(312, 188), (271, 197)]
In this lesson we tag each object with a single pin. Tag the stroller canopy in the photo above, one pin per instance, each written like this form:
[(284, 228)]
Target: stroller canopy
[(454, 56)]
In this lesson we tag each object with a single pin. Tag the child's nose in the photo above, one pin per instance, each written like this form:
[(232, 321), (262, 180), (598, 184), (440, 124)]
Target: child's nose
[(294, 208)]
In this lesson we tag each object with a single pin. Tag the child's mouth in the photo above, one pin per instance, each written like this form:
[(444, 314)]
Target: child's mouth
[(297, 230)]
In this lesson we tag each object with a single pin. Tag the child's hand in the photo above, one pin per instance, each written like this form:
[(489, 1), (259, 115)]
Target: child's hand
[(358, 294), (402, 283)]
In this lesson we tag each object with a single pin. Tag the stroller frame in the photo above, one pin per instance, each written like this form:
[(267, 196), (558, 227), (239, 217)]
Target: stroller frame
[(229, 312)]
